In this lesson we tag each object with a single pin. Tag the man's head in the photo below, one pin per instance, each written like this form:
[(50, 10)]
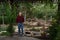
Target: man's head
[(20, 13)]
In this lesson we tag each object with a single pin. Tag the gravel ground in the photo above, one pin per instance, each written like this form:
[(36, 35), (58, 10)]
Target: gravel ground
[(18, 38)]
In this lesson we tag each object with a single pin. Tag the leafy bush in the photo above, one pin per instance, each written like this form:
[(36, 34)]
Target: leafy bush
[(53, 31), (10, 29)]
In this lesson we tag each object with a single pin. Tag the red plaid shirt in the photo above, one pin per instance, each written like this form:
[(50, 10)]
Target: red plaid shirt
[(20, 19)]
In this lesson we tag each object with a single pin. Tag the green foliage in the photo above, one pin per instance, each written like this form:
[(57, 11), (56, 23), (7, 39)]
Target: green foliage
[(5, 34), (44, 10), (40, 15), (0, 28), (58, 21), (10, 29), (58, 33), (53, 31), (0, 19), (32, 10)]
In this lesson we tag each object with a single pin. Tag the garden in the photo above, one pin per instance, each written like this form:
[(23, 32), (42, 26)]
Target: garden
[(41, 18)]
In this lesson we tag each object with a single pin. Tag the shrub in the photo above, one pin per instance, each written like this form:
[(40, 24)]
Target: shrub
[(10, 29), (53, 31)]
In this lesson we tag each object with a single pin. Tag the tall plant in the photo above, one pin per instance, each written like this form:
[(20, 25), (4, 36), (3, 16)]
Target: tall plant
[(10, 28)]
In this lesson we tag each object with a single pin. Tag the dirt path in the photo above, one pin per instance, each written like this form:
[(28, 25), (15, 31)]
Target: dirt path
[(18, 38)]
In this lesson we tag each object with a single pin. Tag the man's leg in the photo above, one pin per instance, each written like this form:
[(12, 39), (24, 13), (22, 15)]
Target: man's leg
[(22, 28), (18, 28)]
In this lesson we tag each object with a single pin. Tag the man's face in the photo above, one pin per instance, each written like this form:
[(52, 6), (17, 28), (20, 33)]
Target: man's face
[(20, 13)]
